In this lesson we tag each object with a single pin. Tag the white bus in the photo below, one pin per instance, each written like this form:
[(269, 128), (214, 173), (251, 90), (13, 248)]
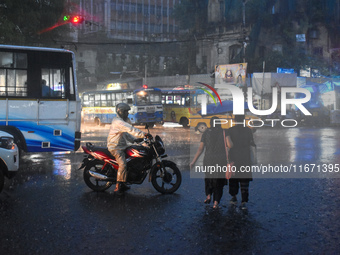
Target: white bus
[(39, 103)]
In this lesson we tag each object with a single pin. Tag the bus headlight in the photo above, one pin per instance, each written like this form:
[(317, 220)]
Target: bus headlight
[(6, 142)]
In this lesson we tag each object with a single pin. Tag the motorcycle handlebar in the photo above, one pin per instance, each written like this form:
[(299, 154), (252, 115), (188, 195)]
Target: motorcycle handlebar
[(148, 136)]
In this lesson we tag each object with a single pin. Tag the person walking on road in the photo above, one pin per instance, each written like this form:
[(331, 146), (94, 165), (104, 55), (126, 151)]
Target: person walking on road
[(239, 140), (213, 142)]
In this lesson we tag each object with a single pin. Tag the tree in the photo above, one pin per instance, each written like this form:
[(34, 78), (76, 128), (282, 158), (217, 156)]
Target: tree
[(193, 19), (192, 16), (21, 21)]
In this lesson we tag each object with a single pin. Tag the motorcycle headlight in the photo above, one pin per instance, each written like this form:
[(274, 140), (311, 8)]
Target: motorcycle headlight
[(7, 143)]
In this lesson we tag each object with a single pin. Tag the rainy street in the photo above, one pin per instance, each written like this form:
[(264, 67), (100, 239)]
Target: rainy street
[(48, 209)]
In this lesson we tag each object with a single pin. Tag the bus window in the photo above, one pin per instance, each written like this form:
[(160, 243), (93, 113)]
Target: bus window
[(103, 100), (46, 89), (113, 98), (53, 81), (108, 100), (183, 101), (97, 100), (86, 100), (2, 82), (123, 97), (13, 60), (169, 100), (198, 99), (155, 98), (71, 82), (13, 74), (16, 83), (91, 100), (118, 98), (187, 101), (177, 100)]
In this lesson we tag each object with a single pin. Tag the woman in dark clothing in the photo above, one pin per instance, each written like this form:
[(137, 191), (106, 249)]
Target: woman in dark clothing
[(239, 140), (213, 142)]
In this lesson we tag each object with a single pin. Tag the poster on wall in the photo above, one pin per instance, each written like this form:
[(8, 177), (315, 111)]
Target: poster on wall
[(232, 74)]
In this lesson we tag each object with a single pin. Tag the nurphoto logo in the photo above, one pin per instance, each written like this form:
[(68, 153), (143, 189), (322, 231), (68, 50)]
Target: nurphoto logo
[(238, 105)]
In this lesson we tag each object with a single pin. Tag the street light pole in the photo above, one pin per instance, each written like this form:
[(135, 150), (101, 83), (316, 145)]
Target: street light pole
[(244, 29), (244, 42), (244, 12)]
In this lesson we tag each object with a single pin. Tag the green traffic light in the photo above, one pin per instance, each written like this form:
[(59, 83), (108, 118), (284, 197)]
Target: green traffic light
[(66, 18)]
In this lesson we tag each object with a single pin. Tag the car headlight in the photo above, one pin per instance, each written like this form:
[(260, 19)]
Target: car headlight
[(6, 142)]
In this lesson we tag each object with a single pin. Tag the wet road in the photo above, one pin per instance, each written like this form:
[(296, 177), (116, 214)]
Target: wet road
[(48, 209)]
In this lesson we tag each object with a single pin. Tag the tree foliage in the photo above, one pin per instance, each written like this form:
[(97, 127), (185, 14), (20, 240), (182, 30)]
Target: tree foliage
[(21, 21), (192, 15)]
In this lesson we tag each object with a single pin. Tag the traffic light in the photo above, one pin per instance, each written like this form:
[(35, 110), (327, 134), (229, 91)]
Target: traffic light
[(74, 19), (77, 19)]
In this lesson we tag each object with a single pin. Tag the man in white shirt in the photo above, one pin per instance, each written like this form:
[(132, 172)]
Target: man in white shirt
[(120, 132)]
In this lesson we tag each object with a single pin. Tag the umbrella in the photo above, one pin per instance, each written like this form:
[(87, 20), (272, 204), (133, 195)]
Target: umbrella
[(227, 106)]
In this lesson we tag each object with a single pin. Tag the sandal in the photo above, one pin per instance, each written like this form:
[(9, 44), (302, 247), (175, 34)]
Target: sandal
[(207, 201), (215, 205)]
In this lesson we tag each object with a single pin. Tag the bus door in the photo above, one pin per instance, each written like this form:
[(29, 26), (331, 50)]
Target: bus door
[(57, 110), (54, 107)]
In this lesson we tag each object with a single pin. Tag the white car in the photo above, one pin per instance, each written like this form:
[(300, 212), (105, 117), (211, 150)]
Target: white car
[(9, 157)]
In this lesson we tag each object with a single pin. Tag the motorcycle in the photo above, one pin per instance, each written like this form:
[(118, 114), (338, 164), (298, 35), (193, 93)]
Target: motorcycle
[(143, 158)]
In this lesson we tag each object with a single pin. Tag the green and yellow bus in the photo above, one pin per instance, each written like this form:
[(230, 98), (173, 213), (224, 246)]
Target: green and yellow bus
[(180, 104)]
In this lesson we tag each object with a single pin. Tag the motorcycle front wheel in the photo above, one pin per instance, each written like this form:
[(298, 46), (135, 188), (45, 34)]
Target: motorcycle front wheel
[(167, 180), (92, 182)]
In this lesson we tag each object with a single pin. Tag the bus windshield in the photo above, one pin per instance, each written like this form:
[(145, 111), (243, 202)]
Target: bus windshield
[(145, 97)]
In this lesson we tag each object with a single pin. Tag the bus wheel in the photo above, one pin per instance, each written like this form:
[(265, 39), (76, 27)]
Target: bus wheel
[(97, 121), (201, 127), (151, 124), (184, 122)]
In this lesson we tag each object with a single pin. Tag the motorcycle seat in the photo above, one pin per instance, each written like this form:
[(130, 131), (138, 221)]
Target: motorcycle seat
[(91, 147), (102, 149)]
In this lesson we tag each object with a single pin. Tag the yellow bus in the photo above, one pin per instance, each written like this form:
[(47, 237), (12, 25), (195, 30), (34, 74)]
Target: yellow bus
[(180, 104)]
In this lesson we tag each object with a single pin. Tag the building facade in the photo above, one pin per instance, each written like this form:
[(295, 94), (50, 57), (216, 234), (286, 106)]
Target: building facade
[(290, 33), (132, 20), (123, 37), (142, 36)]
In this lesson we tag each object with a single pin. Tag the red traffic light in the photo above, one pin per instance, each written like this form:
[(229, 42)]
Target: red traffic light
[(74, 19), (145, 86), (77, 19)]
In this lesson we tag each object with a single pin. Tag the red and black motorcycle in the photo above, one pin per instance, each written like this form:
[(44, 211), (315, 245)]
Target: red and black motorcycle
[(143, 158)]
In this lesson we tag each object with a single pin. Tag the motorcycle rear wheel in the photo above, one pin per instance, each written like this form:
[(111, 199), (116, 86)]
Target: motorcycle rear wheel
[(168, 182), (93, 183)]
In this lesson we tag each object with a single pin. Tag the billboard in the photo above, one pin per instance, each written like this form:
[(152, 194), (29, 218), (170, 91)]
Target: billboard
[(233, 74)]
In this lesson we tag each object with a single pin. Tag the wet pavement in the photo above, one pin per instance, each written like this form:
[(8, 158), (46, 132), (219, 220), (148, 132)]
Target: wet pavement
[(48, 209)]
